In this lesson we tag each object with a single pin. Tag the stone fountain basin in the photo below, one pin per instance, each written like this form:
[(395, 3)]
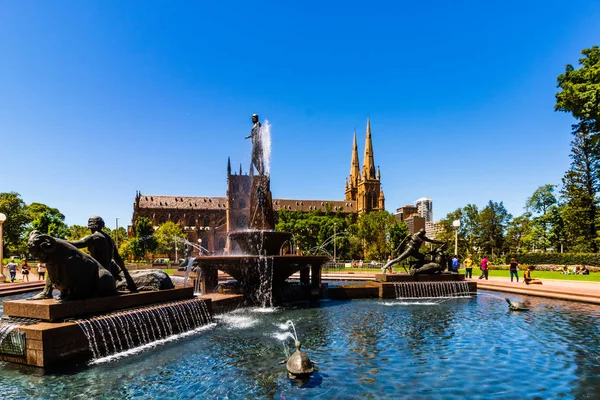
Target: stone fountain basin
[(244, 268), (255, 242)]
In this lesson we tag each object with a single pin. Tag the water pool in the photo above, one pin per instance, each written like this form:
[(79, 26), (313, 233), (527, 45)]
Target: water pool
[(447, 349)]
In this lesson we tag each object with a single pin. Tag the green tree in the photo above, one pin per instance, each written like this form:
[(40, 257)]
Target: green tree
[(542, 207), (493, 221), (314, 232), (541, 200), (167, 235), (125, 249), (76, 232), (119, 235), (518, 232), (14, 228), (373, 230), (580, 91), (47, 220), (144, 241), (469, 235), (580, 186)]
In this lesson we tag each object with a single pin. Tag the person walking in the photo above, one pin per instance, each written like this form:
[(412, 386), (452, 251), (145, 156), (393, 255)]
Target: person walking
[(484, 268), (12, 269), (41, 271), (469, 266), (25, 268), (514, 269)]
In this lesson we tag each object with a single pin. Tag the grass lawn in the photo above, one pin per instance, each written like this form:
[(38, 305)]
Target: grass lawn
[(592, 277)]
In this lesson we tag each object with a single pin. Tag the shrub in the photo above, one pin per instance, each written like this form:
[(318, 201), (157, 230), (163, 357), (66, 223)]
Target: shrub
[(590, 259)]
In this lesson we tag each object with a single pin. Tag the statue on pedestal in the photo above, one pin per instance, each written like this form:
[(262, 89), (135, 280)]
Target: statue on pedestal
[(257, 147), (102, 248)]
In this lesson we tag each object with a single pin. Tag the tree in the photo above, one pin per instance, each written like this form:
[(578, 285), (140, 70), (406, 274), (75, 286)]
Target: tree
[(493, 220), (579, 95), (14, 228), (542, 208), (580, 185), (468, 233), (314, 232), (47, 220), (541, 200), (373, 230), (580, 91), (76, 232), (518, 232), (144, 240), (167, 235)]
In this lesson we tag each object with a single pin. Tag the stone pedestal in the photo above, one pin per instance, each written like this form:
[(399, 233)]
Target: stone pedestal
[(261, 204), (51, 310), (53, 344)]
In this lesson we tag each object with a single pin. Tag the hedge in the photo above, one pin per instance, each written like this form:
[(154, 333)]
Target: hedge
[(591, 259)]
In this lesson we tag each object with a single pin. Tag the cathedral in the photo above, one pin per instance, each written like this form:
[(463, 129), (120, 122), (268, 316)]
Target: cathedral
[(208, 220)]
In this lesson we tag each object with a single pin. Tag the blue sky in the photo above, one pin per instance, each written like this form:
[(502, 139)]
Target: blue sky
[(99, 99)]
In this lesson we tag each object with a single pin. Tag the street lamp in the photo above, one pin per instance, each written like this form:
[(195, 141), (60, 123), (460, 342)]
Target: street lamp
[(200, 245), (456, 225), (117, 233), (2, 277), (334, 244)]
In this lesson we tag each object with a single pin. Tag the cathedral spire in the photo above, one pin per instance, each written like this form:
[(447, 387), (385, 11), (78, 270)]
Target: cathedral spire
[(354, 166), (228, 166), (369, 163)]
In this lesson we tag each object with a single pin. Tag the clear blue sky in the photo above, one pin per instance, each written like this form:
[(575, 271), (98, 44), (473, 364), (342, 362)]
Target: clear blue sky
[(99, 99)]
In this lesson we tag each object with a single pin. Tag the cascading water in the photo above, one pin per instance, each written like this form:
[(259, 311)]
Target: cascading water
[(188, 269), (9, 347), (413, 290), (265, 134), (283, 336), (122, 331)]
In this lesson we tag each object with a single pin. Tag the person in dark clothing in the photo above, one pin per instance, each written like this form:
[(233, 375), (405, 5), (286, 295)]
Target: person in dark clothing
[(514, 269)]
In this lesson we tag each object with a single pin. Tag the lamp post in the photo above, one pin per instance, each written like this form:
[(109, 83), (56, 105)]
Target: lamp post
[(200, 245), (456, 225), (334, 244), (2, 277), (117, 233)]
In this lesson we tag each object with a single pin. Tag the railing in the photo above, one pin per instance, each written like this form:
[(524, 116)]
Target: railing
[(349, 266)]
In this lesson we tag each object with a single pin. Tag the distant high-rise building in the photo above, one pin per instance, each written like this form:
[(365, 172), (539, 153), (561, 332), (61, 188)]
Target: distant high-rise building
[(425, 208), (432, 229)]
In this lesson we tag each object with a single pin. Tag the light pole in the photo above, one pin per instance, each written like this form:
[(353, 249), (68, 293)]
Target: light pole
[(456, 225), (117, 233), (200, 245), (176, 259), (334, 244), (2, 277)]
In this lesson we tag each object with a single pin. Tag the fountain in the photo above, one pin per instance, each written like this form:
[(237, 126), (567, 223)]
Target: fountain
[(91, 318), (262, 270)]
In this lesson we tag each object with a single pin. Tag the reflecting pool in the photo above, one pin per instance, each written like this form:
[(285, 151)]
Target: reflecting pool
[(429, 349)]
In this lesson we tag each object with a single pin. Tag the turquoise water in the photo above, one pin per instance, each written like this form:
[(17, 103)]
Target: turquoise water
[(444, 349)]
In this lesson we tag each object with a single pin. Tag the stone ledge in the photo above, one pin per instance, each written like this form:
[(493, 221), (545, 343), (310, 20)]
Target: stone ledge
[(419, 278), (52, 310)]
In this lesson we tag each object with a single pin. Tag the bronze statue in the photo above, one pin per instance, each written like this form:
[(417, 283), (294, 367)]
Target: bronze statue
[(102, 249), (257, 148), (77, 275), (416, 240)]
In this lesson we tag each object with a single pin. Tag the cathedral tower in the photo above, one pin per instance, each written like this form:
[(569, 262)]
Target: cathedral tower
[(369, 195)]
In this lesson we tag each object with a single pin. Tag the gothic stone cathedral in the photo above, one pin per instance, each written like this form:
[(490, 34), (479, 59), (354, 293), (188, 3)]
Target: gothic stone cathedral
[(212, 218)]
